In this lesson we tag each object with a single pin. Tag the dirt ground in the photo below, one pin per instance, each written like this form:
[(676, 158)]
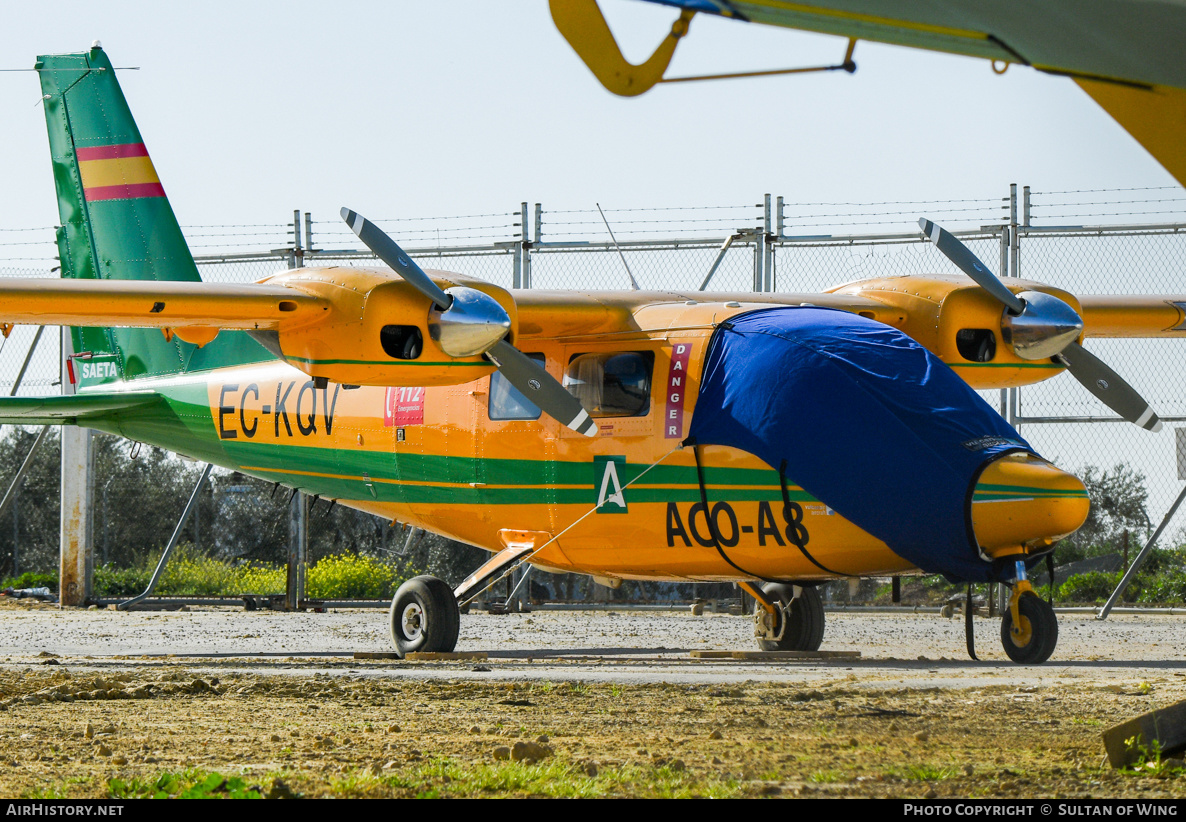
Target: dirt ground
[(86, 726)]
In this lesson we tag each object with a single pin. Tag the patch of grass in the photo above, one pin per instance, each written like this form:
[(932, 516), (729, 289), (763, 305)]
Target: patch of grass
[(551, 778), (188, 784), (59, 791), (826, 777)]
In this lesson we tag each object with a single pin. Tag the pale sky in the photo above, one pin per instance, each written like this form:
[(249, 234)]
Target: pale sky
[(402, 109)]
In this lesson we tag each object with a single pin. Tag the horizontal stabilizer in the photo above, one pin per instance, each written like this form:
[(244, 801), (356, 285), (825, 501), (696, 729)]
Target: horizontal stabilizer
[(70, 409)]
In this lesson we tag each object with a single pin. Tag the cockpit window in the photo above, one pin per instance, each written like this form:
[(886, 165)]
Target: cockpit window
[(507, 402), (612, 384)]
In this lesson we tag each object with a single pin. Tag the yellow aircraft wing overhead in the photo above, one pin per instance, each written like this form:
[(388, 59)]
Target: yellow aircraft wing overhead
[(1126, 54), (145, 303), (1106, 315)]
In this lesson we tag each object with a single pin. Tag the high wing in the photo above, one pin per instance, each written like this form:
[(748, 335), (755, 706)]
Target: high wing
[(1138, 315), (1126, 54), (146, 304)]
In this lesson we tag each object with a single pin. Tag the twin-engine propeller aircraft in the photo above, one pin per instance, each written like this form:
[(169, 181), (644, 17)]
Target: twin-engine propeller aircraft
[(774, 440)]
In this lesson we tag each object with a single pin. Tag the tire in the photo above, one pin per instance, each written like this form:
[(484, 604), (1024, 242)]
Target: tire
[(424, 617), (1043, 631), (805, 626)]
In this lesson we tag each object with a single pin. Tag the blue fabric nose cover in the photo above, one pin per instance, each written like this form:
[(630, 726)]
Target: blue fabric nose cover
[(869, 422)]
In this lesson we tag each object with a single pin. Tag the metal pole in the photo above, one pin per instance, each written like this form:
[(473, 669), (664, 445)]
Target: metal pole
[(298, 544), (1014, 271), (10, 494), (1136, 565), (526, 244), (781, 225), (75, 561), (758, 255), (717, 262), (1004, 269), (539, 222), (1015, 246), (160, 566), (25, 365), (767, 249), (298, 253)]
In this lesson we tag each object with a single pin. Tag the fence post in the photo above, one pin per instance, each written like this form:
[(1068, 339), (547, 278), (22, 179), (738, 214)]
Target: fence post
[(298, 522), (1004, 269), (767, 247), (525, 243), (76, 563), (298, 545), (298, 253), (759, 254)]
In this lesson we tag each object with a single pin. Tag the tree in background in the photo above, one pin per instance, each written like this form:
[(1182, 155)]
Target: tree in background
[(141, 491), (29, 531), (1118, 504)]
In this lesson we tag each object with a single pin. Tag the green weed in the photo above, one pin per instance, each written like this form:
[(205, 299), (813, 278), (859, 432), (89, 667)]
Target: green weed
[(188, 784)]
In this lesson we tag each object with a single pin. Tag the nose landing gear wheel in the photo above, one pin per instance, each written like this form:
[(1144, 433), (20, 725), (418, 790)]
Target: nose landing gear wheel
[(805, 619), (424, 617), (1037, 631)]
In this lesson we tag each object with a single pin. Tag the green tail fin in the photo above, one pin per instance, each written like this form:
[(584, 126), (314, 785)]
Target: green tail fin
[(116, 221)]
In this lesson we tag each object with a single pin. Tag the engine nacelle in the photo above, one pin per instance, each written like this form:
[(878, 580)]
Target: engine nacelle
[(375, 329)]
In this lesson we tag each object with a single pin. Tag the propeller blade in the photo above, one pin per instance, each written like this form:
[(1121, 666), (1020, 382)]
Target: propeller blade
[(537, 385), (386, 250), (968, 263), (1109, 387)]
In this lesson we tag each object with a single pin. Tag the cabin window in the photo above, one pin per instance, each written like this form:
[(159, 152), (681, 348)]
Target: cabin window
[(976, 344), (403, 342), (612, 384), (507, 402)]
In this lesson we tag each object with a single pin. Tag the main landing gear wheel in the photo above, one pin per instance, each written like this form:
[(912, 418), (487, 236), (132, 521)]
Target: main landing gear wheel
[(805, 618), (424, 617), (1037, 631)]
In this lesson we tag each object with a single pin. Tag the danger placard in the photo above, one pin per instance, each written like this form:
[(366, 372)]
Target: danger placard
[(673, 418)]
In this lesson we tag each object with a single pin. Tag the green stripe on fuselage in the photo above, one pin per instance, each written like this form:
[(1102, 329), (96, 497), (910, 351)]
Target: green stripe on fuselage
[(183, 422)]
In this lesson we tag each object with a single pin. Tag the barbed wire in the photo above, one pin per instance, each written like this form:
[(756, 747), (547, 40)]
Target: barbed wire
[(1074, 204), (1110, 214), (637, 222), (1105, 190), (652, 208)]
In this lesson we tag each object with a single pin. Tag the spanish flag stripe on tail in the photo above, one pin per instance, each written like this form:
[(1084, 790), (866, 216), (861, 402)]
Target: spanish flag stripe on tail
[(124, 192), (117, 172), (111, 152)]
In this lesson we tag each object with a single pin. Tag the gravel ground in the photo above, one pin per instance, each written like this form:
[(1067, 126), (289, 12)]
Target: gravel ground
[(95, 703), (637, 646)]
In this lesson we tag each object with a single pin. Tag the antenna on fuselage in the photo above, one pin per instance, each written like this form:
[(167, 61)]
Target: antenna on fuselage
[(633, 282)]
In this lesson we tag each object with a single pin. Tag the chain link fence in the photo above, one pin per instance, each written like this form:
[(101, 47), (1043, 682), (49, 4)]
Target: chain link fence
[(767, 246)]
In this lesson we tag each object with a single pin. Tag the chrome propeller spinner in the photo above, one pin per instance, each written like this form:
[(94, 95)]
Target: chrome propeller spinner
[(466, 322), (1040, 326), (473, 322)]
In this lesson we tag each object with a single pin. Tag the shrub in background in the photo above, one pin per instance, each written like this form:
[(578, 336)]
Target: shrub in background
[(349, 576)]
